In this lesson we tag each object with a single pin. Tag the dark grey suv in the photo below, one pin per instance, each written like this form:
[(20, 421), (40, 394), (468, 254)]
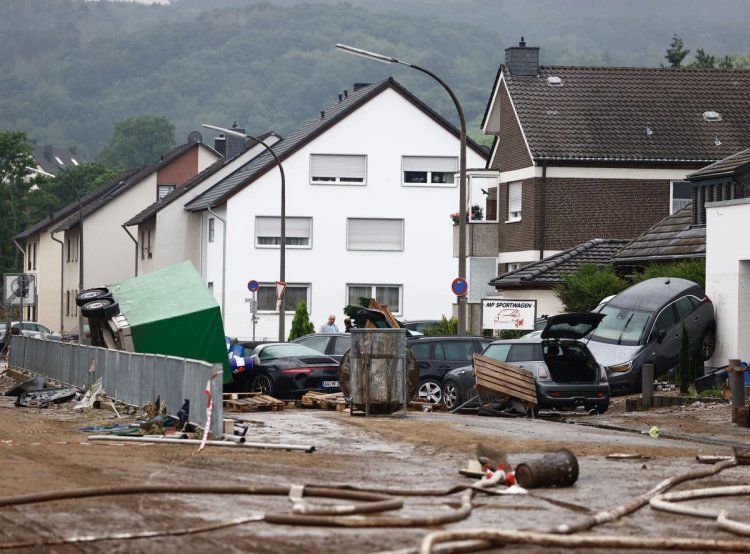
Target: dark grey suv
[(643, 324), (438, 354)]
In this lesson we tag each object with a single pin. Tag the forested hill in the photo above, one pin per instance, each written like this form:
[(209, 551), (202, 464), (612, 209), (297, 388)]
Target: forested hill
[(69, 69)]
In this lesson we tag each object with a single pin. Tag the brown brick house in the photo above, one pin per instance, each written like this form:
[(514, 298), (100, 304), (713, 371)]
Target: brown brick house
[(584, 152)]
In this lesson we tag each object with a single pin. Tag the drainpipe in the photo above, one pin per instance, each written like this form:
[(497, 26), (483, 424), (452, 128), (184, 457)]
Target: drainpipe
[(223, 260), (136, 247), (543, 211), (62, 282)]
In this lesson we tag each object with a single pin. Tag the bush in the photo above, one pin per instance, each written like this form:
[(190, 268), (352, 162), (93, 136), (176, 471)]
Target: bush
[(584, 289), (443, 327), (301, 324), (692, 270)]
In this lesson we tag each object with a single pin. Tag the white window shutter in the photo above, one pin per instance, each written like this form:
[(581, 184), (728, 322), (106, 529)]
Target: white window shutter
[(514, 200), (375, 234), (430, 163), (339, 166)]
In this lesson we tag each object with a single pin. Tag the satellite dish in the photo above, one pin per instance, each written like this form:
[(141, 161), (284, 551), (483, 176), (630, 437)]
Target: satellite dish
[(195, 136)]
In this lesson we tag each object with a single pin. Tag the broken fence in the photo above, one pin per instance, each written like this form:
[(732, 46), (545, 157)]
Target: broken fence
[(128, 377)]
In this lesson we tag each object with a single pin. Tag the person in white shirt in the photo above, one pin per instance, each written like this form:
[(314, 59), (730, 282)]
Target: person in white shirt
[(330, 327)]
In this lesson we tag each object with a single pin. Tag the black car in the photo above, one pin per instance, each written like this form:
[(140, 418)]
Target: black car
[(437, 355), (643, 325), (565, 373), (334, 345), (287, 370)]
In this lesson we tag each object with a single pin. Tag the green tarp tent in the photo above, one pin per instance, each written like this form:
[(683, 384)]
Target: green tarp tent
[(171, 312)]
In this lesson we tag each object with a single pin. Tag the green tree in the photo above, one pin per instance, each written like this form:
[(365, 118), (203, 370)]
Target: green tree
[(52, 193), (583, 290), (15, 156), (726, 63), (138, 140), (301, 324), (703, 60), (692, 270), (676, 51)]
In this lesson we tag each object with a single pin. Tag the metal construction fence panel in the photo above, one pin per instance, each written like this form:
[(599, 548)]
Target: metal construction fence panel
[(128, 377)]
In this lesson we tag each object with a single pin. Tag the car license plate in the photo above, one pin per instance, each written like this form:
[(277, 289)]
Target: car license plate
[(330, 384)]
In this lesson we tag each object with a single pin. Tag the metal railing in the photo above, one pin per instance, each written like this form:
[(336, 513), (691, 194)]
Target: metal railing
[(128, 377)]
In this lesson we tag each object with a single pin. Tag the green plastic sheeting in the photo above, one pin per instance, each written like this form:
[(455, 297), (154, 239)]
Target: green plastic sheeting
[(171, 312)]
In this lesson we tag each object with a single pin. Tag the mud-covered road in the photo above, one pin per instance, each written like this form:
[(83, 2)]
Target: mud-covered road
[(44, 450)]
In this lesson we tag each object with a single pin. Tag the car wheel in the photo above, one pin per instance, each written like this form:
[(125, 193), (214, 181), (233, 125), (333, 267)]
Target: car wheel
[(600, 407), (262, 384), (430, 391), (103, 308), (89, 295), (451, 395), (708, 343)]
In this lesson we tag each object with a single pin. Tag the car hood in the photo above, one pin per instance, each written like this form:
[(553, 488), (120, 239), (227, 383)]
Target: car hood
[(571, 326), (612, 354)]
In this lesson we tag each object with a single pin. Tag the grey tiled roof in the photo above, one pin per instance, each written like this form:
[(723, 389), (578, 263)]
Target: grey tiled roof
[(549, 272), (122, 182), (633, 114), (47, 157), (154, 208), (736, 163), (672, 238), (227, 187)]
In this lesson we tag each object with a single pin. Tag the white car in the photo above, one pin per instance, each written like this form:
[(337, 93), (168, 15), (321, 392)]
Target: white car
[(29, 329)]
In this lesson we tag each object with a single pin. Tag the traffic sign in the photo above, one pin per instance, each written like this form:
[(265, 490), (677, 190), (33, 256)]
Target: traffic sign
[(253, 285), (459, 286)]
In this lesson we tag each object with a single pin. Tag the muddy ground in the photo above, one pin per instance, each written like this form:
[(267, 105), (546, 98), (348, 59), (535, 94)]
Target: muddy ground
[(44, 450)]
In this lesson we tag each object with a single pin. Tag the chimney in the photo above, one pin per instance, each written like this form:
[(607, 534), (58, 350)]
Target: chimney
[(322, 114), (48, 152), (522, 59), (235, 145), (220, 145), (358, 86), (346, 93), (341, 96)]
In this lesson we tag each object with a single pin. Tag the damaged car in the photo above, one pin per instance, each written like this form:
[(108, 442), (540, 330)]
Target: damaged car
[(565, 373)]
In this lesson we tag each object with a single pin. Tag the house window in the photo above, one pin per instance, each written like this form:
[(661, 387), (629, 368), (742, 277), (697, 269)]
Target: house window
[(429, 170), (294, 294), (163, 190), (268, 232), (514, 266), (482, 198), (67, 302), (390, 295), (211, 229), (681, 195), (146, 244), (514, 202), (72, 247), (335, 169), (211, 286), (375, 234), (148, 240), (31, 256)]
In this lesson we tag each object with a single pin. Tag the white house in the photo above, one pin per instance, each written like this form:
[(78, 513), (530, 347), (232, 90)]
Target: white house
[(52, 246), (723, 192), (370, 186), (167, 233)]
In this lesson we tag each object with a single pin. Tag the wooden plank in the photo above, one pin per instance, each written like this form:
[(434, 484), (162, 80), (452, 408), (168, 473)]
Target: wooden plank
[(504, 379), (490, 380), (383, 308)]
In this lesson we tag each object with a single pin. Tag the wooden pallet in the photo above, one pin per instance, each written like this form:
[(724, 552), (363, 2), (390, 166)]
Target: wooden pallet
[(326, 401), (253, 402), (504, 379)]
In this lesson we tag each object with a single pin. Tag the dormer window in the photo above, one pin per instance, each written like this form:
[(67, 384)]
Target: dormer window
[(554, 81), (711, 116)]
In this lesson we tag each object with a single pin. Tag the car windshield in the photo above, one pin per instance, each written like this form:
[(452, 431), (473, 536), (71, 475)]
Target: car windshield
[(621, 325), (285, 350)]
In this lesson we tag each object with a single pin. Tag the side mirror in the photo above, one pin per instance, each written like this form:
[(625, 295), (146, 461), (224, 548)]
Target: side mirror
[(660, 335), (256, 359)]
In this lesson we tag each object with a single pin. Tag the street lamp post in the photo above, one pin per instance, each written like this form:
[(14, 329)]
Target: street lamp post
[(80, 241), (461, 300), (282, 246)]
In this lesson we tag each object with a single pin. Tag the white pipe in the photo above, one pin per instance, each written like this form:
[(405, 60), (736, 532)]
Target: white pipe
[(198, 442)]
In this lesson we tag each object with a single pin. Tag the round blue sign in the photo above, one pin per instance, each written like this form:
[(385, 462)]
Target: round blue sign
[(253, 285), (459, 286)]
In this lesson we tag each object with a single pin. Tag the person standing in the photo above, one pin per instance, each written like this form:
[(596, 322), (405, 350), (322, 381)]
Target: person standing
[(347, 325), (330, 327)]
